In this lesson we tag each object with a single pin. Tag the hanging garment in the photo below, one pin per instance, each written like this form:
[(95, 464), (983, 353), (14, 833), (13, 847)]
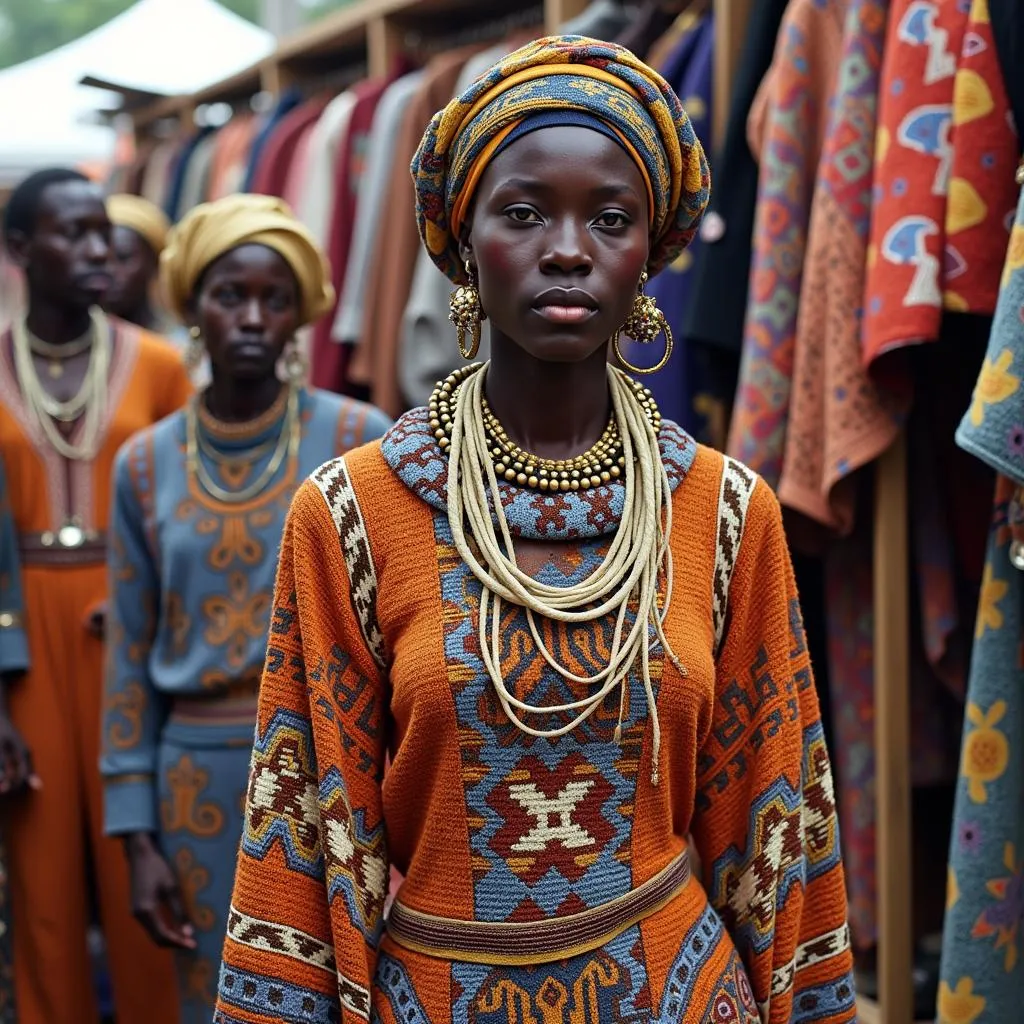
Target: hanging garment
[(316, 210), (429, 348), (179, 173), (603, 19), (838, 420), (286, 103), (913, 161), (689, 71), (714, 328), (277, 154), (982, 193), (55, 834), (982, 967), (398, 243), (789, 123), (329, 359), (298, 168), (380, 157), (156, 176), (196, 185), (231, 155)]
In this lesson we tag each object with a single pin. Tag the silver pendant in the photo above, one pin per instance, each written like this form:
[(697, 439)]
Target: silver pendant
[(70, 536), (1017, 555)]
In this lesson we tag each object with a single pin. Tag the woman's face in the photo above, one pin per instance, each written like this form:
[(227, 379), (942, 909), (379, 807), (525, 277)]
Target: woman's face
[(559, 239), (247, 307)]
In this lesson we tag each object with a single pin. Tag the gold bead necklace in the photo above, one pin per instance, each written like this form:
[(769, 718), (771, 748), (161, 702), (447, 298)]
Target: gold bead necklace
[(603, 463)]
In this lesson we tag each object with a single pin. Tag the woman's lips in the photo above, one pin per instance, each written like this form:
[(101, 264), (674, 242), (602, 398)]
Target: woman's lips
[(565, 314)]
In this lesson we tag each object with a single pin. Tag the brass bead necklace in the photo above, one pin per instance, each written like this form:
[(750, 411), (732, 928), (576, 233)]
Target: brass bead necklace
[(602, 464)]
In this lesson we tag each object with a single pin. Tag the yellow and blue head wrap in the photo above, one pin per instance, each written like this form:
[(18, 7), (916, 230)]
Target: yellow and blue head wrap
[(562, 80)]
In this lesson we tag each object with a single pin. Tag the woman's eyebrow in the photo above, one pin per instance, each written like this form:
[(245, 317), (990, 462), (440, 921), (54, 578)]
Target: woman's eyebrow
[(611, 190)]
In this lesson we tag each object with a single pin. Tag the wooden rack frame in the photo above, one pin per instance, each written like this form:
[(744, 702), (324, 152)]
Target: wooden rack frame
[(375, 33)]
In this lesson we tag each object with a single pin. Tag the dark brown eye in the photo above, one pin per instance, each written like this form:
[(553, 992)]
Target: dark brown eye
[(612, 219), (522, 214)]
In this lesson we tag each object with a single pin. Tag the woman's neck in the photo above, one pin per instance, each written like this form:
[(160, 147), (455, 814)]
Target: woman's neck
[(56, 325), (231, 400), (552, 410)]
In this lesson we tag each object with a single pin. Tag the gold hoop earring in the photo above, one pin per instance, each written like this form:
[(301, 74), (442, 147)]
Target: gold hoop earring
[(294, 364), (195, 351), (644, 323), (467, 314)]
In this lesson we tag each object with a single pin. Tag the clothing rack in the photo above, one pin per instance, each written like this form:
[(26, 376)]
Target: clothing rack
[(375, 34)]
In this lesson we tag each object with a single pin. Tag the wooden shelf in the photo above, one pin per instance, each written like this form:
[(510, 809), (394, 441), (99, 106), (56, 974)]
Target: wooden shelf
[(366, 32)]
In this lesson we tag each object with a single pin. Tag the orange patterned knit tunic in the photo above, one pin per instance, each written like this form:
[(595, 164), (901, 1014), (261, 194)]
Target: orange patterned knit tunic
[(381, 741)]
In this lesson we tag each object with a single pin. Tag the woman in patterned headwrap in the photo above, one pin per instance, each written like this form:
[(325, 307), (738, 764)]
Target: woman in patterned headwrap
[(199, 507), (572, 632)]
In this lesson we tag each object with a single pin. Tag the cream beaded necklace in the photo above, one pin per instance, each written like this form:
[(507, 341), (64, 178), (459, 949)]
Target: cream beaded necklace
[(627, 577)]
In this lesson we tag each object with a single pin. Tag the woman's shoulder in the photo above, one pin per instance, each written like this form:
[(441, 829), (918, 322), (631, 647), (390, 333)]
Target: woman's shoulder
[(731, 495), (154, 445), (362, 421)]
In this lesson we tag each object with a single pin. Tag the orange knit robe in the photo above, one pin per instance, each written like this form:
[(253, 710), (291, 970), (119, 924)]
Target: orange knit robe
[(53, 834), (488, 824)]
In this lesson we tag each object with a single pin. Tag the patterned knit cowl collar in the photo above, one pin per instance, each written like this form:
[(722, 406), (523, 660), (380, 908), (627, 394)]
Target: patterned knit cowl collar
[(412, 451)]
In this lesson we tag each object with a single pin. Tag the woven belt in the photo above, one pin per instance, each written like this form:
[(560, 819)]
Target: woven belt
[(237, 702), (521, 943), (69, 546)]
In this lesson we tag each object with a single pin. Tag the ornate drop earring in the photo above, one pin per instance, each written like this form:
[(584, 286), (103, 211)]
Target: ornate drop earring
[(644, 323), (294, 364), (195, 351), (467, 314)]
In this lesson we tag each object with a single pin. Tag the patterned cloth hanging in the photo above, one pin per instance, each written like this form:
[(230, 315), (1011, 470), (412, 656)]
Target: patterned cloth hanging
[(982, 970), (790, 121), (944, 195)]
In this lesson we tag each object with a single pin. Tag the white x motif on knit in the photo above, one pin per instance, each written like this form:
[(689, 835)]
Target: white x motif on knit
[(553, 816)]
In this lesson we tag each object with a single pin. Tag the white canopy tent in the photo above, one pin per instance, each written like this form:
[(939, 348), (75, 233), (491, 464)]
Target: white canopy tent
[(158, 46)]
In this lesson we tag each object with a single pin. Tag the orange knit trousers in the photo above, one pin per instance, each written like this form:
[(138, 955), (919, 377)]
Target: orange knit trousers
[(54, 836)]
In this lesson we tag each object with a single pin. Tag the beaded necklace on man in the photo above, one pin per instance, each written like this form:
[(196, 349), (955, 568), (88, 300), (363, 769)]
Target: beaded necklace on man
[(90, 401)]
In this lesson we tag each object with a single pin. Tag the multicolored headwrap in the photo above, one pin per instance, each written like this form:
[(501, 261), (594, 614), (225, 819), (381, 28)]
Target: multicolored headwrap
[(212, 229), (572, 74)]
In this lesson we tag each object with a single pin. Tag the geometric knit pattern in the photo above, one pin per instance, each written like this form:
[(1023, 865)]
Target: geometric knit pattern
[(484, 823)]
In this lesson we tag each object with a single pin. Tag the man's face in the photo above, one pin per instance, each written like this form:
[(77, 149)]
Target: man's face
[(66, 259)]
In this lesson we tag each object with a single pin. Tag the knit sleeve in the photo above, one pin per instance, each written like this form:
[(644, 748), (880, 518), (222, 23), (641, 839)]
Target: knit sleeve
[(765, 820), (13, 639), (307, 909), (132, 709)]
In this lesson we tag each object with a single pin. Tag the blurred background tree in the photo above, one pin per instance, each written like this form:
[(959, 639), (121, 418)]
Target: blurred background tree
[(31, 27)]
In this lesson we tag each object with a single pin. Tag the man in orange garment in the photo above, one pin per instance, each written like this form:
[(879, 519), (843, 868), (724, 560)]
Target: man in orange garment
[(74, 386)]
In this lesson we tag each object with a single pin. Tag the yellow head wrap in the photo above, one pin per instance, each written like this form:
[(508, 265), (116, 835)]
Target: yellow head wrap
[(142, 217), (212, 229)]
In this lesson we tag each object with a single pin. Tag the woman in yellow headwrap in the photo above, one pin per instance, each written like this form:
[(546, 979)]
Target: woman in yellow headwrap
[(199, 509), (137, 240), (572, 631)]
